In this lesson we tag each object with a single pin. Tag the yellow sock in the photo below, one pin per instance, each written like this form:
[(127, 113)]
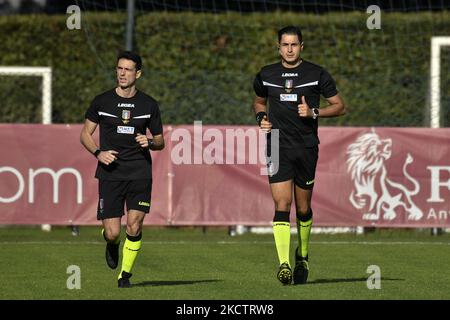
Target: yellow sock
[(282, 235), (130, 251), (304, 231)]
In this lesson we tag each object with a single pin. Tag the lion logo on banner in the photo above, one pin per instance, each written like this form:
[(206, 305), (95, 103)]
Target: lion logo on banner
[(374, 192)]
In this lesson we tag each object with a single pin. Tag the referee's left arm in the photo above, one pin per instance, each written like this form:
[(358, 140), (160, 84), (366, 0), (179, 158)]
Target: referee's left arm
[(157, 143), (328, 90), (335, 108)]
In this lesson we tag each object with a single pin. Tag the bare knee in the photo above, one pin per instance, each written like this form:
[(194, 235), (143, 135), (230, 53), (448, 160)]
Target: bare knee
[(303, 210), (111, 233), (134, 228), (283, 205), (304, 213)]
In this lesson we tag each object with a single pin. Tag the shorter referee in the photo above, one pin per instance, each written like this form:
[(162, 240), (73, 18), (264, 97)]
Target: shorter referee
[(124, 169)]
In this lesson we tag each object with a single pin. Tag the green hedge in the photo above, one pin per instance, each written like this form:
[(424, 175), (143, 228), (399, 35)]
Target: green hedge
[(201, 66)]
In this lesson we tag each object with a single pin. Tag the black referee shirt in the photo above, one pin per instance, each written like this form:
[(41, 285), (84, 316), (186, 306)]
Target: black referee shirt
[(284, 88), (120, 119)]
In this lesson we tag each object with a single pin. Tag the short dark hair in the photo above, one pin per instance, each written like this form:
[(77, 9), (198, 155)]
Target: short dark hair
[(133, 56), (291, 30)]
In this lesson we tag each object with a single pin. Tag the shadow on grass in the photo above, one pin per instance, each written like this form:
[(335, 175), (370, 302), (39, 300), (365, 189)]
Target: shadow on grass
[(171, 283), (320, 281)]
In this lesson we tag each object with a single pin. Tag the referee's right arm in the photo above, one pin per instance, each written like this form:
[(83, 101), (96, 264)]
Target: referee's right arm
[(88, 142), (260, 104), (86, 136), (260, 101)]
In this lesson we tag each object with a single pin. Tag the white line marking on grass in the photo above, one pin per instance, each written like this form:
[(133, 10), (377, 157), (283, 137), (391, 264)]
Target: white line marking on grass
[(382, 242), (346, 242), (231, 242), (51, 242)]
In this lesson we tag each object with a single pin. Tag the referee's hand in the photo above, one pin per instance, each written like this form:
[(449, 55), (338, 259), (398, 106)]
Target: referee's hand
[(142, 140), (266, 126), (303, 109), (107, 157)]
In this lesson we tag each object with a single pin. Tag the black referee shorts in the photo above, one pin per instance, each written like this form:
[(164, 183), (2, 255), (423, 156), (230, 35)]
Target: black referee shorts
[(297, 164), (114, 194)]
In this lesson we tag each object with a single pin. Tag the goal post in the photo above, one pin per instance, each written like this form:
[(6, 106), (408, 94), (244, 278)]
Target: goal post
[(46, 74), (435, 79)]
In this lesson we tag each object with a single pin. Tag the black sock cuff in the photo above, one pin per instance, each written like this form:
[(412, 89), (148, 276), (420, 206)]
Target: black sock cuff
[(281, 216), (134, 238), (305, 217)]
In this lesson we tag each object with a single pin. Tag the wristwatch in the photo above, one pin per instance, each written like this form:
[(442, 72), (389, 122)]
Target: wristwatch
[(150, 143), (315, 113), (97, 152)]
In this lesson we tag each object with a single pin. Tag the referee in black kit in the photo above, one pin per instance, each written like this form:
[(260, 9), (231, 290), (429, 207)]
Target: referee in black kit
[(124, 169), (293, 88)]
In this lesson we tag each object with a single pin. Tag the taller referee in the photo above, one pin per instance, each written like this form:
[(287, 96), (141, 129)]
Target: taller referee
[(293, 88), (124, 169)]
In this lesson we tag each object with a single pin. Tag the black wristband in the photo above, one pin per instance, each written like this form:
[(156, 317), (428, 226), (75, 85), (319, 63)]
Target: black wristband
[(97, 152), (260, 116)]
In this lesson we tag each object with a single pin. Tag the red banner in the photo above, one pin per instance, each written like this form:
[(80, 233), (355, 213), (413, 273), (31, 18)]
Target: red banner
[(214, 175)]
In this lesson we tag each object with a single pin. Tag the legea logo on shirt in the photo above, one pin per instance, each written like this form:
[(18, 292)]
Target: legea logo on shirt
[(125, 105), (287, 74)]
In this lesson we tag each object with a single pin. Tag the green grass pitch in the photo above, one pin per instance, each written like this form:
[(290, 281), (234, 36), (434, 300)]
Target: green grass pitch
[(190, 264)]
